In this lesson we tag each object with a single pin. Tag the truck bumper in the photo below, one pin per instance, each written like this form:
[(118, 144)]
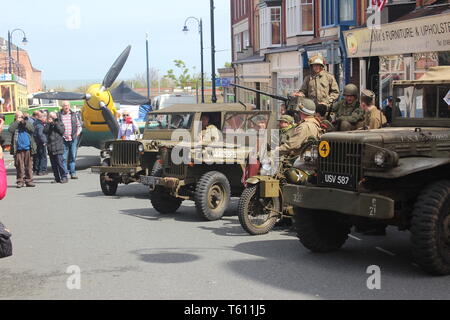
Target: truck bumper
[(168, 183), (345, 202), (118, 170)]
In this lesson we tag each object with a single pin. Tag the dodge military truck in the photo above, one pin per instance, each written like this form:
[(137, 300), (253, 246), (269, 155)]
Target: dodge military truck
[(397, 176), (208, 172)]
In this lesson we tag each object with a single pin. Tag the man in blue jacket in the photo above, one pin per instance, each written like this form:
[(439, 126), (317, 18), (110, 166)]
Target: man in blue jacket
[(40, 159)]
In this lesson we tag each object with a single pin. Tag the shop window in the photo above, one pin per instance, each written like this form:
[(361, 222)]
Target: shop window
[(423, 62)]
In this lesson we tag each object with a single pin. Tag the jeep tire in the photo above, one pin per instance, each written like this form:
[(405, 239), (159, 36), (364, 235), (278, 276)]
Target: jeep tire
[(430, 229), (212, 195), (321, 231), (109, 182)]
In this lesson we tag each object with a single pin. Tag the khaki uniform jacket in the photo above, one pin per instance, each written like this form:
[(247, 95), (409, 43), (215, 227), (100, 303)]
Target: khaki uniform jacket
[(322, 88), (348, 112), (209, 135), (374, 119), (297, 136)]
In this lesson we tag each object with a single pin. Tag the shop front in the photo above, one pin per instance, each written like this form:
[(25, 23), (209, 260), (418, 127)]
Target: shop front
[(399, 51), (256, 75)]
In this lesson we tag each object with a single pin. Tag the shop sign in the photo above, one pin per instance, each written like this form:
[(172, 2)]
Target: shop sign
[(430, 34)]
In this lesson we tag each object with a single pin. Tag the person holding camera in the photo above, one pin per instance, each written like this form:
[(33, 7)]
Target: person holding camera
[(54, 129), (23, 148), (128, 128)]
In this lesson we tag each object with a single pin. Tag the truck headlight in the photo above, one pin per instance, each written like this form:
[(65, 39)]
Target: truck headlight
[(111, 148), (380, 159), (141, 148), (314, 154)]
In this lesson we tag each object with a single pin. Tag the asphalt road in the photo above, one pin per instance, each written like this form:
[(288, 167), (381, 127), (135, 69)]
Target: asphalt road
[(126, 250)]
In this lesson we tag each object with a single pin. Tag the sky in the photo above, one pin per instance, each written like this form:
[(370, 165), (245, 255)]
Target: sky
[(80, 39)]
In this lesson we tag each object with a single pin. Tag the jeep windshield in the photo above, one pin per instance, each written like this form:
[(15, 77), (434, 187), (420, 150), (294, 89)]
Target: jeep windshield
[(422, 102), (169, 121)]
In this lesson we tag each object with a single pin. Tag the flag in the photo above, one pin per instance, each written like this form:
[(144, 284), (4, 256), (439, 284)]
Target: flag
[(380, 4)]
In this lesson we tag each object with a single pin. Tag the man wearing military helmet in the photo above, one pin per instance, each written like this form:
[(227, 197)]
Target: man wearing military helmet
[(349, 115), (320, 86), (309, 128)]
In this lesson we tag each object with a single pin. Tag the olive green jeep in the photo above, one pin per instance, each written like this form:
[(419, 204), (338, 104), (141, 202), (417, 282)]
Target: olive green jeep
[(209, 172), (397, 176)]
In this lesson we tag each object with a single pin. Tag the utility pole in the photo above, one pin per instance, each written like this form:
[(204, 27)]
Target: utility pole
[(213, 54), (149, 92)]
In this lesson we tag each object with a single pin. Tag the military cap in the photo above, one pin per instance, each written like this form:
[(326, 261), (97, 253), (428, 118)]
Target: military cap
[(287, 119), (306, 106), (368, 93)]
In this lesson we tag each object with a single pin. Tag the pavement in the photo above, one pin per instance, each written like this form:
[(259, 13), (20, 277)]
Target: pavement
[(72, 242)]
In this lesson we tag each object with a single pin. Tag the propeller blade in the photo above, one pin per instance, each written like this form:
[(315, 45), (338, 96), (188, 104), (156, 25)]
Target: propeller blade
[(71, 96), (111, 121), (116, 68)]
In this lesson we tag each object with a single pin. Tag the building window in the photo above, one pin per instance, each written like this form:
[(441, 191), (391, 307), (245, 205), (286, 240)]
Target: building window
[(270, 27), (238, 43), (300, 17), (246, 39), (328, 12), (347, 14)]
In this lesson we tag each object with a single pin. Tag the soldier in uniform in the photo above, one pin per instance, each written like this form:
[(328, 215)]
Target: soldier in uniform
[(349, 115), (310, 127), (209, 133), (374, 118), (321, 86)]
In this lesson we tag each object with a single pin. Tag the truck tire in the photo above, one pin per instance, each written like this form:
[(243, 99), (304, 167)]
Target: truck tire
[(212, 195), (251, 206), (321, 232), (163, 202), (109, 188), (430, 229)]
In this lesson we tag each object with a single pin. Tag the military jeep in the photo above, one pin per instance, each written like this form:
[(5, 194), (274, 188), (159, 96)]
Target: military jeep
[(206, 172), (397, 176), (125, 161)]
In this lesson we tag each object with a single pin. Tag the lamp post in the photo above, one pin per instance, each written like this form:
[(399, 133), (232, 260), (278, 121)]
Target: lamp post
[(24, 41), (149, 92), (213, 54), (200, 27)]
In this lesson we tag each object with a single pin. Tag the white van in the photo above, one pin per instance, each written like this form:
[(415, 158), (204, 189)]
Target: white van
[(167, 100)]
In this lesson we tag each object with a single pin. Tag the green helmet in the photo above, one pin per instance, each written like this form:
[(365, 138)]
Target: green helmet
[(306, 106), (287, 119), (351, 90)]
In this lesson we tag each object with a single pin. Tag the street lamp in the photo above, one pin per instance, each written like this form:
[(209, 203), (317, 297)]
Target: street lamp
[(213, 54), (200, 27), (24, 42), (149, 92)]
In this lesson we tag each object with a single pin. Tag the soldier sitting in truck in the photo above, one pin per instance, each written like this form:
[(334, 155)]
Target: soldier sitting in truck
[(209, 132)]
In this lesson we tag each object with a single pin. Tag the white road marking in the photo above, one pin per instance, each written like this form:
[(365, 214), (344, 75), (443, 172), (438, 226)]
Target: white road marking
[(386, 251), (355, 238)]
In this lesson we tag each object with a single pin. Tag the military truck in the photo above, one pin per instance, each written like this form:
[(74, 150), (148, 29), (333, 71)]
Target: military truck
[(208, 172), (123, 162), (397, 176)]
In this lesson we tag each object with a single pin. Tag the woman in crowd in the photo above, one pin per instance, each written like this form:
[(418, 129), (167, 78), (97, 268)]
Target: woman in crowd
[(3, 182)]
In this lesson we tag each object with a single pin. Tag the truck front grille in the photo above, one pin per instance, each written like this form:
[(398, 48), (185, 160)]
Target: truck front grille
[(345, 160), (125, 154)]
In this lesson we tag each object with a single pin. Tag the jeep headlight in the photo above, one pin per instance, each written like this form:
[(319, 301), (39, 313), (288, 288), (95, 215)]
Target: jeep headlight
[(111, 148), (314, 154), (141, 148)]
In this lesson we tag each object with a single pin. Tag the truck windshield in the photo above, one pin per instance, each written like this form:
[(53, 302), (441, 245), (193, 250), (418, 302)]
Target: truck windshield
[(169, 121), (245, 122), (423, 101)]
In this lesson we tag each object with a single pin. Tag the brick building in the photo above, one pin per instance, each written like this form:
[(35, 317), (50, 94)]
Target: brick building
[(273, 40), (21, 66)]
